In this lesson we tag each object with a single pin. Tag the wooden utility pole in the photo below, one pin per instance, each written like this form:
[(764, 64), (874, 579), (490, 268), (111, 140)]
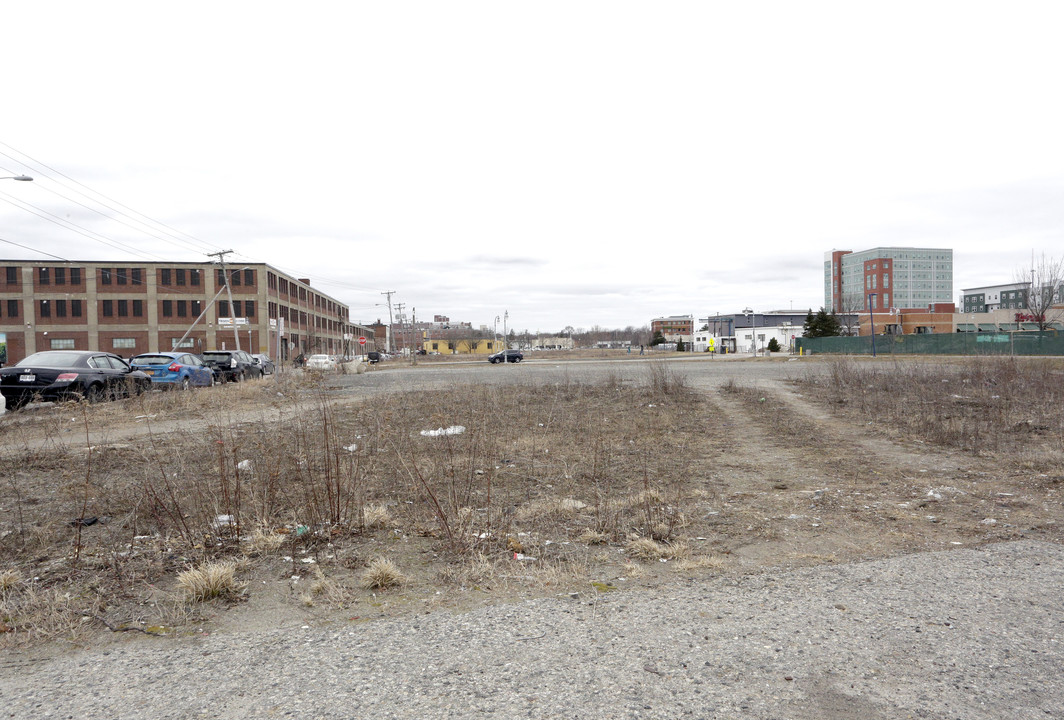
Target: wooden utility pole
[(225, 278), (391, 342)]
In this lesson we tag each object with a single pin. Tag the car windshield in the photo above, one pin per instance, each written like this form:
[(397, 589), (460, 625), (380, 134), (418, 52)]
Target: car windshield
[(152, 360), (49, 359)]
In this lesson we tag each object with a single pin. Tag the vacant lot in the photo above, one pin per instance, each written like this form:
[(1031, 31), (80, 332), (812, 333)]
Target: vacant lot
[(407, 489)]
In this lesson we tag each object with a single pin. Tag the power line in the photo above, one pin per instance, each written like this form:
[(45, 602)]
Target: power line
[(41, 252), (172, 232)]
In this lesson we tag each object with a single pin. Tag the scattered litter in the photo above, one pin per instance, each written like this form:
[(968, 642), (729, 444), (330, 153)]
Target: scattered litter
[(224, 521), (990, 521), (453, 430), (954, 542), (522, 556), (308, 561), (144, 417), (83, 521), (244, 465), (351, 448)]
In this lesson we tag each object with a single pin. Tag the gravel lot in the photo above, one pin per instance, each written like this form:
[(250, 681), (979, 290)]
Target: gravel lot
[(965, 634)]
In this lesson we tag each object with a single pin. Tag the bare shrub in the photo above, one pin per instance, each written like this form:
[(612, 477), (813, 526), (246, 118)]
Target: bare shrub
[(663, 381)]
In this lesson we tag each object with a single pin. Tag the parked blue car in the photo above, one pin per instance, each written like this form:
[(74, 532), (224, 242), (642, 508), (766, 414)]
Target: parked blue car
[(174, 369)]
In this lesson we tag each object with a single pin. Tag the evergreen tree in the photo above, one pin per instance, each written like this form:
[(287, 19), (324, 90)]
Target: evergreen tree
[(822, 324)]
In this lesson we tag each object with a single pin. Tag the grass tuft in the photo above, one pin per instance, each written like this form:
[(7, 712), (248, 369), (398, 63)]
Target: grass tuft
[(382, 574), (210, 580)]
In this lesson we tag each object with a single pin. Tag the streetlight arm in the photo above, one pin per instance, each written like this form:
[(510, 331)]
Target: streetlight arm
[(21, 178)]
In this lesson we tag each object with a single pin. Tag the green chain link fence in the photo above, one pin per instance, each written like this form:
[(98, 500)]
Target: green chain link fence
[(1050, 342)]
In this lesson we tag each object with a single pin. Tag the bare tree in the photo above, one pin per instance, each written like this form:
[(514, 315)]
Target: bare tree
[(1043, 284)]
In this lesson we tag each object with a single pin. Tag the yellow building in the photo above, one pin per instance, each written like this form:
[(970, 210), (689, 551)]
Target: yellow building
[(463, 346)]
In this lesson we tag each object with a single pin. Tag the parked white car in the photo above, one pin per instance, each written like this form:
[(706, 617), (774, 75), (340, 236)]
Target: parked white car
[(320, 362)]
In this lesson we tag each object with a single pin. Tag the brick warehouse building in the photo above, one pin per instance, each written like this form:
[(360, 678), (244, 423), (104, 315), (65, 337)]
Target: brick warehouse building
[(137, 307)]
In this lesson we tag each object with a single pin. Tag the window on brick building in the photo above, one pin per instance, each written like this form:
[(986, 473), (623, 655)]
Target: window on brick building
[(43, 276)]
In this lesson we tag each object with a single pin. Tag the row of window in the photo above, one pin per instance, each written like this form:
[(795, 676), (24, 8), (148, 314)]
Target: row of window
[(59, 275), (179, 277), (168, 277)]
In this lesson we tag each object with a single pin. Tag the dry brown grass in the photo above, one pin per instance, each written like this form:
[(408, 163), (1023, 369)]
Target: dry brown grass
[(381, 575), (560, 484), (215, 579)]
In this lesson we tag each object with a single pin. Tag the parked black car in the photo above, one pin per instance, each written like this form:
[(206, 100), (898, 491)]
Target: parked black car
[(265, 363), (55, 375), (232, 365), (514, 356)]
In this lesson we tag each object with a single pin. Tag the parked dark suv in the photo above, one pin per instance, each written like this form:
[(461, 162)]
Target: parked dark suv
[(235, 365), (514, 356)]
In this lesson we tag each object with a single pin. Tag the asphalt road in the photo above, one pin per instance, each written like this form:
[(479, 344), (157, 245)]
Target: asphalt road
[(974, 633)]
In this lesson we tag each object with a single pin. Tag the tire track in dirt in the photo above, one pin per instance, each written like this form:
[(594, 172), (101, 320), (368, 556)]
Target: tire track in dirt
[(798, 484)]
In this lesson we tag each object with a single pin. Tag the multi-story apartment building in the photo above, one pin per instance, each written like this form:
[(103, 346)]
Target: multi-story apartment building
[(995, 297), (136, 307), (889, 277), (674, 327)]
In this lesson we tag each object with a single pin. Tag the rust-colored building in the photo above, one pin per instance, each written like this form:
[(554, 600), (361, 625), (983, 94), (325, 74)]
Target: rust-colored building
[(136, 307)]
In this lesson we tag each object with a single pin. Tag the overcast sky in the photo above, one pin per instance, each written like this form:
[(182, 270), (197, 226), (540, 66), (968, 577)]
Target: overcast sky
[(570, 163)]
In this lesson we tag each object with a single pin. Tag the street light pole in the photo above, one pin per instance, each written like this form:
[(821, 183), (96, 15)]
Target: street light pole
[(753, 332), (872, 322)]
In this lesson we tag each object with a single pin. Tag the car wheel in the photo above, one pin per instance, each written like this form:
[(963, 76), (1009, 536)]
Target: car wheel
[(213, 382), (238, 377), (517, 359), (94, 393)]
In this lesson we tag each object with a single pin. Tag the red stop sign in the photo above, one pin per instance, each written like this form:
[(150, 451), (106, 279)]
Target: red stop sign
[(362, 340)]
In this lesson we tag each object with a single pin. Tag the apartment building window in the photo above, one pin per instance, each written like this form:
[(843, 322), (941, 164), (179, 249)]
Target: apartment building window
[(236, 309), (249, 276), (179, 275), (60, 308), (182, 308), (44, 277), (75, 308), (234, 278), (12, 308), (108, 308), (12, 275), (105, 276), (120, 276), (61, 344), (197, 308), (164, 276), (45, 309), (193, 276), (124, 343), (223, 308), (136, 277), (249, 308), (75, 276), (168, 308), (123, 308), (60, 276), (138, 308)]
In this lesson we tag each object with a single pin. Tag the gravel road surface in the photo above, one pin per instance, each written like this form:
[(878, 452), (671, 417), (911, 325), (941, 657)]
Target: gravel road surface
[(972, 633)]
